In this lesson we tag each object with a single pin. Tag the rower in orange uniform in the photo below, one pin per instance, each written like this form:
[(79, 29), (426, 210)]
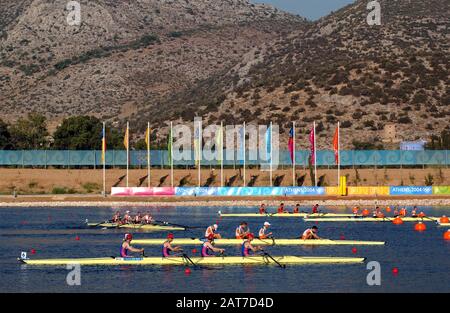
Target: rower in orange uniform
[(242, 231), (212, 230), (355, 210), (315, 208), (281, 209), (311, 233), (377, 213), (403, 212), (264, 231), (262, 209)]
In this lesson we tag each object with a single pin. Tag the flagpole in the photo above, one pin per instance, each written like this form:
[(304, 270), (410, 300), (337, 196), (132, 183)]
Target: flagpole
[(128, 149), (315, 155), (339, 153), (199, 154), (104, 159), (293, 154), (148, 155), (245, 155), (271, 159), (221, 154), (171, 155)]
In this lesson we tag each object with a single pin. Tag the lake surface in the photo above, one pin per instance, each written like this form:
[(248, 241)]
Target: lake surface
[(422, 259)]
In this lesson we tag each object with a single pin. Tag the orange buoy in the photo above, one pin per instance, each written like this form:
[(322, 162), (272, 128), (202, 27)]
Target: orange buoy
[(365, 212), (388, 209), (447, 235), (420, 227), (397, 221), (444, 219)]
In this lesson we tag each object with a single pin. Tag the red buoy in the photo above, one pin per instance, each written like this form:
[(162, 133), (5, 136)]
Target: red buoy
[(420, 227), (187, 271), (395, 271), (77, 238), (33, 251), (397, 221), (447, 235), (194, 251), (354, 250)]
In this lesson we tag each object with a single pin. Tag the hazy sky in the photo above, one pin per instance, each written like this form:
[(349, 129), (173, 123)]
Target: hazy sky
[(311, 9)]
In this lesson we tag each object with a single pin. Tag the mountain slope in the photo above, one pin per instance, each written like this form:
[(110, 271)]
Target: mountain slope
[(125, 53), (341, 68)]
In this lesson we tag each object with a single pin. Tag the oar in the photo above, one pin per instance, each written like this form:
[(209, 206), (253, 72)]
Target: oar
[(178, 225), (267, 242), (189, 259), (271, 257)]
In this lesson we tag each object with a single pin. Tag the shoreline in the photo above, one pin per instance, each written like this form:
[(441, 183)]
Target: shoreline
[(329, 201)]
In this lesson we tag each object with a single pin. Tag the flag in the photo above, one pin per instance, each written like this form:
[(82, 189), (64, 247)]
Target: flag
[(197, 145), (219, 144), (241, 144), (291, 144), (147, 137), (103, 145), (269, 143), (336, 145), (126, 141), (311, 140), (169, 146)]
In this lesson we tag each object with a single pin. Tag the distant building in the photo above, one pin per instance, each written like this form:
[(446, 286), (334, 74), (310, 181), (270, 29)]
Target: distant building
[(389, 134), (413, 145)]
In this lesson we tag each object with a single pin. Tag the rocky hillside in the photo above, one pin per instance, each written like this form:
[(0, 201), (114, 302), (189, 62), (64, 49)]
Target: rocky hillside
[(124, 54), (342, 69)]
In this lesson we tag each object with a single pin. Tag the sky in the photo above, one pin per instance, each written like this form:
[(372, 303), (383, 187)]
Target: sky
[(311, 9)]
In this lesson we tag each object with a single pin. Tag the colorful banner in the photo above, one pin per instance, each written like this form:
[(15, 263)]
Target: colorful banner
[(368, 190), (410, 190), (142, 191), (441, 190)]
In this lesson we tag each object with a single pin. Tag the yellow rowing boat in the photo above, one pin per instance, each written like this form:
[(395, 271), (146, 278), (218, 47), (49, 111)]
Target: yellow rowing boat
[(148, 227), (226, 260), (303, 214), (372, 219), (280, 242)]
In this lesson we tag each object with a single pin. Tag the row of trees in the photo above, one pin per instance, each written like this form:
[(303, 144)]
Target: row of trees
[(85, 133)]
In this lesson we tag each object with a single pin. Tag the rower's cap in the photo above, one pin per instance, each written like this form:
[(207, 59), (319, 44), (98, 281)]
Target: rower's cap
[(266, 224), (215, 226), (128, 237), (170, 236), (251, 236)]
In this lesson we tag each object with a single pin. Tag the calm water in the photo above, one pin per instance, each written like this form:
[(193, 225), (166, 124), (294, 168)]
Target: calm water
[(423, 259)]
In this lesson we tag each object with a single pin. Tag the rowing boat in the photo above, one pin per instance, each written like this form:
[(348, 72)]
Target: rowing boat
[(444, 224), (281, 242), (372, 219), (135, 226), (226, 260), (286, 215)]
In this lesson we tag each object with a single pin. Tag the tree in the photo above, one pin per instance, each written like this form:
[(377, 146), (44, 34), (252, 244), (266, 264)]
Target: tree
[(5, 137), (30, 133), (79, 133)]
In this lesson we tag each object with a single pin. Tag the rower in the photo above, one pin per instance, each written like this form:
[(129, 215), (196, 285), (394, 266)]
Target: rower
[(355, 211), (116, 217), (422, 214), (242, 231), (138, 218), (126, 218), (247, 248), (281, 209), (414, 212), (311, 233), (148, 219), (377, 213), (264, 231), (315, 208), (126, 247), (208, 248), (296, 209), (262, 209), (211, 230), (167, 247), (396, 211), (403, 212)]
